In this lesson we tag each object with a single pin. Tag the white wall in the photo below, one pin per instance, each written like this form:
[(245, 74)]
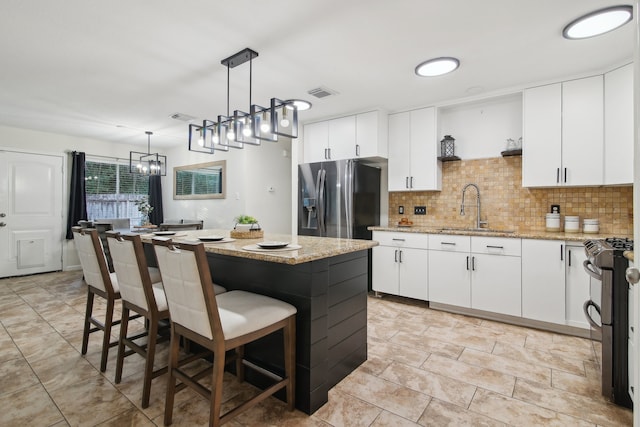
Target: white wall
[(249, 172), (481, 128)]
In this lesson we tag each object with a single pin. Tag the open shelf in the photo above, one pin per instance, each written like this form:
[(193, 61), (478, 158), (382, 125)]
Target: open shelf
[(449, 158), (508, 153)]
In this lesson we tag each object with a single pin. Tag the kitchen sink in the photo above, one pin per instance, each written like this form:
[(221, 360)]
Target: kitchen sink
[(474, 230)]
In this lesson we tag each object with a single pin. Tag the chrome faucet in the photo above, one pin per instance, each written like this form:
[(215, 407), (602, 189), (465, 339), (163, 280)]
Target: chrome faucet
[(464, 189)]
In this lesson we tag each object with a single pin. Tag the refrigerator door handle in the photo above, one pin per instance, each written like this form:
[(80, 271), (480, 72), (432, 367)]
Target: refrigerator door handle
[(348, 196), (321, 202)]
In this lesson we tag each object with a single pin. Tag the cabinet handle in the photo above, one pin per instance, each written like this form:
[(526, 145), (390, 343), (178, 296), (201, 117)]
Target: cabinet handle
[(325, 154), (569, 258), (395, 256), (358, 150), (473, 263), (561, 252), (448, 243), (494, 247), (400, 256), (398, 240), (467, 263), (557, 175), (329, 151), (406, 182), (632, 329), (411, 182), (565, 175)]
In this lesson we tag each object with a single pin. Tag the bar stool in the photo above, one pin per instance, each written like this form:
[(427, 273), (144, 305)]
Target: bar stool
[(219, 323), (99, 282), (140, 295)]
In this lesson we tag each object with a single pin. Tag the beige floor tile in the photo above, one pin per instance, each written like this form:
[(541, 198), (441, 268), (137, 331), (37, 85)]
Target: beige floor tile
[(404, 352), (348, 411), (16, 375), (387, 419), (475, 375), (430, 383), (519, 368), (541, 358), (47, 347), (460, 337), (427, 344), (8, 349), (22, 407), (131, 418), (90, 402), (385, 394), (374, 365), (515, 338), (18, 314), (566, 346), (64, 370), (593, 410), (518, 413), (584, 385), (273, 412), (440, 414)]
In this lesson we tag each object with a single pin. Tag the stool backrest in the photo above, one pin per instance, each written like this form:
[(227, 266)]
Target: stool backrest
[(187, 284), (130, 264), (92, 258)]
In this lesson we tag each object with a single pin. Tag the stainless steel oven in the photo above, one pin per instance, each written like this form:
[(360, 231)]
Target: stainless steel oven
[(607, 312)]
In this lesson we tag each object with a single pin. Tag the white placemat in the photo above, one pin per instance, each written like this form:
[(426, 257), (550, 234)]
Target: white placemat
[(259, 249)]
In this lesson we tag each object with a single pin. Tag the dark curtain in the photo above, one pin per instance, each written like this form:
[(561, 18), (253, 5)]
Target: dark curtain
[(77, 196), (155, 199)]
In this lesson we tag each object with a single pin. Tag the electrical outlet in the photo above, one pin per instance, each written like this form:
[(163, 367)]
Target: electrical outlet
[(419, 210), (401, 210), (555, 208)]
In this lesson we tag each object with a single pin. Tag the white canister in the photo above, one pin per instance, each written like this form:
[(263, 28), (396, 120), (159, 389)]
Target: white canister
[(591, 226), (571, 224), (553, 222)]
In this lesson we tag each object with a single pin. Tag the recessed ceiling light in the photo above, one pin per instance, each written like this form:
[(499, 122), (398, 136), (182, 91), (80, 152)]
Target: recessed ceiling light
[(301, 104), (437, 66), (598, 22)]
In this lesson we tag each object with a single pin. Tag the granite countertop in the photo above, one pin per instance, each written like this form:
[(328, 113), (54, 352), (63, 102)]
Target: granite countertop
[(629, 255), (311, 248), (543, 235)]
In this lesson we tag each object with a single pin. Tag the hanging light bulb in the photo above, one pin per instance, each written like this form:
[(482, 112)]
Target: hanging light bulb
[(201, 140), (246, 128), (264, 124), (284, 122), (231, 136), (215, 138)]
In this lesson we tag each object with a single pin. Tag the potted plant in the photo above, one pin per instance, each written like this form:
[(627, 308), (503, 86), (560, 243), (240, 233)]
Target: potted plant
[(145, 209), (246, 223)]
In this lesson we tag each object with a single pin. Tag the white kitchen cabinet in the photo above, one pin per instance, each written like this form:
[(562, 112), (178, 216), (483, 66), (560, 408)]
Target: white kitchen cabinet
[(618, 126), (349, 137), (399, 264), (413, 151), (496, 275), (563, 134), (543, 280), (450, 270), (577, 283), (371, 135)]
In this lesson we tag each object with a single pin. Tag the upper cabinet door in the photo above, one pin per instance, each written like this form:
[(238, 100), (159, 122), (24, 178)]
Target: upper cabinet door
[(618, 126), (342, 138), (399, 152), (542, 136), (371, 137), (426, 170), (316, 142), (583, 131)]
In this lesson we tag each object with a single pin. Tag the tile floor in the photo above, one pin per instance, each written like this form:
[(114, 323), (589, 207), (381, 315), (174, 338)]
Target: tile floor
[(425, 368)]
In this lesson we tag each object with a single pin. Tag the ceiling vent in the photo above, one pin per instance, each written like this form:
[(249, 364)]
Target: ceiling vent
[(182, 117), (322, 92)]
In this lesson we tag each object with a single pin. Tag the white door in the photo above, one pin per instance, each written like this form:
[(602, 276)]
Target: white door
[(413, 273), (342, 138), (385, 270), (496, 284), (399, 154), (30, 213)]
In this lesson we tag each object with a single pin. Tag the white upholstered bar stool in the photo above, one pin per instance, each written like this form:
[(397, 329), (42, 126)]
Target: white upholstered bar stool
[(219, 323), (99, 282)]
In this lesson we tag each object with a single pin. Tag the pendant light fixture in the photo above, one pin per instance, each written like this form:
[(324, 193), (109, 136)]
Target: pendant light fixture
[(147, 163), (251, 127)]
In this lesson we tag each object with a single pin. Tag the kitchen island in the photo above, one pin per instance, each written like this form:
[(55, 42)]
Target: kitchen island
[(326, 279)]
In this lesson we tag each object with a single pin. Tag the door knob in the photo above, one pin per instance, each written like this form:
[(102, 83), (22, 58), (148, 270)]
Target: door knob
[(633, 275), (2, 224)]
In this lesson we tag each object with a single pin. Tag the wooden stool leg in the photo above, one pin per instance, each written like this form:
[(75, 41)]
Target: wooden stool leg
[(239, 364), (108, 321), (171, 380), (148, 365), (216, 392), (87, 321), (124, 326)]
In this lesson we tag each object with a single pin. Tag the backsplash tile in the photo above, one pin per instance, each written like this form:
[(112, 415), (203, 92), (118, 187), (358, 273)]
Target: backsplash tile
[(506, 204)]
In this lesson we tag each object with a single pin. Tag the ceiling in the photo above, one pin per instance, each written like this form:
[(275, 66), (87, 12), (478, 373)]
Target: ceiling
[(109, 70)]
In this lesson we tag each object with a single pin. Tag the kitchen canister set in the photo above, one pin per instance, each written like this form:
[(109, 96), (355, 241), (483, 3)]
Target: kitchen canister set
[(571, 224)]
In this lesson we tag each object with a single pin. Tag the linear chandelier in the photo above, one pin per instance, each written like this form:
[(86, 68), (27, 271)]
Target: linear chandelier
[(259, 124), (147, 163)]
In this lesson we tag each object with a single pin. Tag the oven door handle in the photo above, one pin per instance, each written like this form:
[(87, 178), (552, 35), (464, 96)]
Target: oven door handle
[(590, 269), (585, 308)]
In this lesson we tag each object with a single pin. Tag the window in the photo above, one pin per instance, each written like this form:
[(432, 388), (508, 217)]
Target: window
[(112, 190)]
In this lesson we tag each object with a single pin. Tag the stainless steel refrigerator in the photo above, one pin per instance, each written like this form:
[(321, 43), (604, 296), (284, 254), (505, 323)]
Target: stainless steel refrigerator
[(338, 199)]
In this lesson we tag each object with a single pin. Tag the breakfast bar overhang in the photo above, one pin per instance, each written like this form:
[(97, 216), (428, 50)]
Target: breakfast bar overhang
[(326, 280)]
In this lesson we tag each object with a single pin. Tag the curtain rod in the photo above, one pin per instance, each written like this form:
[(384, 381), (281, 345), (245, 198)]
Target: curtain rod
[(98, 156)]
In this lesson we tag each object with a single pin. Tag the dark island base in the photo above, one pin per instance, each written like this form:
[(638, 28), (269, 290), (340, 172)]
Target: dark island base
[(331, 328)]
